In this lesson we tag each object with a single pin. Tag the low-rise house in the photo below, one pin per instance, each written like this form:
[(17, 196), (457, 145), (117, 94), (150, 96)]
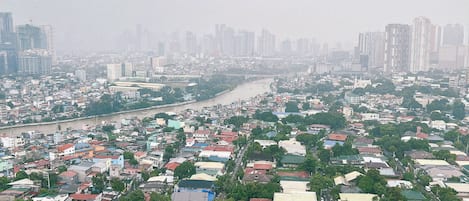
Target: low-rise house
[(293, 147), (357, 197), (210, 168), (294, 186), (86, 197), (68, 177), (192, 196), (290, 160), (194, 185), (157, 184), (297, 196)]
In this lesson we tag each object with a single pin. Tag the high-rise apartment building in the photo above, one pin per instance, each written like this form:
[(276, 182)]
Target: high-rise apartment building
[(421, 44), (396, 48), (266, 44), (244, 43), (31, 37), (191, 43), (453, 34), (114, 72), (34, 62), (371, 47), (8, 49)]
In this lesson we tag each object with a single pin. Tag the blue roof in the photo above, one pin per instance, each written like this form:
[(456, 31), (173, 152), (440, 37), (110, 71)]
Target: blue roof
[(331, 143), (200, 145), (271, 134)]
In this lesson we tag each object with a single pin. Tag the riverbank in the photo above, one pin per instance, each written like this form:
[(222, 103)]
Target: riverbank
[(243, 91)]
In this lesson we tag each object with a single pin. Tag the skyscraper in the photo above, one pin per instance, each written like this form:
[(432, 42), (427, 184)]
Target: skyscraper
[(396, 48), (371, 46), (8, 50), (420, 44), (34, 62), (266, 44), (31, 37), (190, 43), (453, 34), (286, 47), (114, 72), (303, 47), (244, 43), (48, 32)]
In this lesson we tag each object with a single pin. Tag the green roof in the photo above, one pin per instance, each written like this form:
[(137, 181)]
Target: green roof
[(413, 195), (293, 159)]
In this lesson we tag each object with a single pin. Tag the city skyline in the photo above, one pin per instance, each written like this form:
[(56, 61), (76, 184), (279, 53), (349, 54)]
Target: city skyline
[(78, 30)]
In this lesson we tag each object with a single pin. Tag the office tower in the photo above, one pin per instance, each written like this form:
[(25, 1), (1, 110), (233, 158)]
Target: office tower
[(452, 57), (48, 32), (286, 47), (266, 44), (396, 48), (30, 37), (302, 47), (114, 72), (244, 43), (161, 49), (138, 37), (208, 45), (371, 49), (420, 45), (8, 49), (80, 74), (127, 69), (191, 43), (453, 34), (225, 40), (34, 62), (157, 64), (435, 43)]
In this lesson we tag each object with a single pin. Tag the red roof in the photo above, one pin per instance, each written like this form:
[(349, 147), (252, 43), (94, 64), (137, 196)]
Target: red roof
[(67, 158), (253, 171), (262, 166), (69, 173), (172, 166), (372, 150), (301, 174), (229, 133), (140, 154), (83, 196), (220, 148), (64, 147), (422, 135), (104, 157), (337, 137), (204, 132)]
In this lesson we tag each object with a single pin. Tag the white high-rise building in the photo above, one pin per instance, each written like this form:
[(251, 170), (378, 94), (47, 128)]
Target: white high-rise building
[(396, 48), (49, 35), (266, 44), (114, 72), (421, 44), (371, 44)]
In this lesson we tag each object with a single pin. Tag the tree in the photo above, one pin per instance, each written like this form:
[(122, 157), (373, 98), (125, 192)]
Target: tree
[(372, 182), (128, 155), (4, 183), (309, 164), (117, 185), (459, 110), (62, 168), (21, 175), (168, 152), (265, 116), (133, 196), (446, 194), (324, 156), (159, 197), (319, 182), (99, 182), (185, 170), (291, 106)]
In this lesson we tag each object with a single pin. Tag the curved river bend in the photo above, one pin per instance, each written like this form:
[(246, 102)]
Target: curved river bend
[(241, 92)]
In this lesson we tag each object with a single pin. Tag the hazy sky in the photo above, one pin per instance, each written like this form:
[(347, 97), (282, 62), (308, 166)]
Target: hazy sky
[(95, 24)]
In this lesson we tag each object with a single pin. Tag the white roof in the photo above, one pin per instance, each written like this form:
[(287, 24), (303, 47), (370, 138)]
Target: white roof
[(203, 176), (297, 196), (356, 196), (22, 182), (457, 153), (461, 163), (209, 165), (399, 183), (294, 186), (168, 179), (459, 187), (431, 162)]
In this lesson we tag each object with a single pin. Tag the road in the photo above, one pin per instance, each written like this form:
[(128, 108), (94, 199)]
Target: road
[(239, 160)]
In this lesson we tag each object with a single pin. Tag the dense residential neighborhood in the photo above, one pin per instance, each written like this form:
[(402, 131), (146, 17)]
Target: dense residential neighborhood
[(333, 137)]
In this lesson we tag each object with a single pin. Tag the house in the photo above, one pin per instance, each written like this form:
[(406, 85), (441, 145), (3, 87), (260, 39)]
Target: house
[(86, 197), (297, 196), (66, 149), (370, 150), (68, 177), (157, 184), (357, 197), (115, 159), (210, 168), (337, 137), (347, 178), (294, 186), (194, 185), (193, 196), (82, 171), (258, 176), (462, 189), (293, 147), (62, 197), (290, 160), (265, 143), (417, 154), (411, 195)]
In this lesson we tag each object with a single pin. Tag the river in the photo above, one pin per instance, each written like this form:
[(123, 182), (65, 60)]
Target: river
[(241, 92)]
